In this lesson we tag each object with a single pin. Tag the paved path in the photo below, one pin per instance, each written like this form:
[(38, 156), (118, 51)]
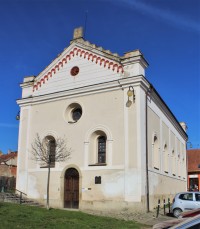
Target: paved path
[(150, 218)]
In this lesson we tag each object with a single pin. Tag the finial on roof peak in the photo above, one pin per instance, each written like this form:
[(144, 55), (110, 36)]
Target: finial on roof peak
[(184, 126), (78, 33)]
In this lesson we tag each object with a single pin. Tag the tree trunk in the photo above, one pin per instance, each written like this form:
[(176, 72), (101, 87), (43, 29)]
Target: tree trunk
[(48, 181)]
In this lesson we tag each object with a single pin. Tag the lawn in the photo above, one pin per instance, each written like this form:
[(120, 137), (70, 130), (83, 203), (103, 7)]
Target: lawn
[(19, 216)]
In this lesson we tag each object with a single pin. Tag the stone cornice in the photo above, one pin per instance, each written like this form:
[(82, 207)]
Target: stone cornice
[(86, 90), (134, 57), (167, 112), (105, 87)]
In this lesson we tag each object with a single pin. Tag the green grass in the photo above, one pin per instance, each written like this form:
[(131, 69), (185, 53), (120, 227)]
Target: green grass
[(19, 216)]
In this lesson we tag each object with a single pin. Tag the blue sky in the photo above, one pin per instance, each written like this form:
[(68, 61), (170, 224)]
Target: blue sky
[(34, 32)]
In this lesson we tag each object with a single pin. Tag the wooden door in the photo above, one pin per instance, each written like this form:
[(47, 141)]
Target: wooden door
[(71, 192)]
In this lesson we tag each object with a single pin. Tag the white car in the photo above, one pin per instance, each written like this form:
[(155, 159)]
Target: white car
[(190, 223), (185, 201), (192, 217), (183, 223)]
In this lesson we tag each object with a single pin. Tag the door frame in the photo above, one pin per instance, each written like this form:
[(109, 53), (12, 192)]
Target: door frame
[(71, 189), (62, 183)]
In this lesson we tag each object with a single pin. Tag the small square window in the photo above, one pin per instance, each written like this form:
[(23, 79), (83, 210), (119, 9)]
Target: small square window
[(98, 180)]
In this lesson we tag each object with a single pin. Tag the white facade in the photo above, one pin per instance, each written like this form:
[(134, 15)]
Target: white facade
[(142, 162)]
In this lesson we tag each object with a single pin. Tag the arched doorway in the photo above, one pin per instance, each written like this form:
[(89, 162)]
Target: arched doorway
[(71, 188)]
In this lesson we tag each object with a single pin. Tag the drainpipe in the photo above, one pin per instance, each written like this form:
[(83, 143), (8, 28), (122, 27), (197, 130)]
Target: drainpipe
[(187, 174), (148, 92)]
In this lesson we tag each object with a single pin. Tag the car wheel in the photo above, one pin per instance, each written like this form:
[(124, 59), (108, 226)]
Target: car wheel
[(177, 212)]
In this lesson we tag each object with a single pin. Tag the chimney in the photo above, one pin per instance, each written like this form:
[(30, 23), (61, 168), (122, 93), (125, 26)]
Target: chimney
[(78, 33)]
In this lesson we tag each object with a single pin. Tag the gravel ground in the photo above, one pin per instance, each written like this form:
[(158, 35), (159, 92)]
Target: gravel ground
[(149, 219)]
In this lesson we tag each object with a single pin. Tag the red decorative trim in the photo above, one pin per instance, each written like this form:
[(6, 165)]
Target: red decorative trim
[(71, 53), (35, 87), (64, 61), (90, 55), (60, 64), (52, 71), (98, 58), (68, 56), (120, 68), (106, 62), (46, 77), (111, 63), (101, 61), (82, 52), (86, 55), (94, 57), (49, 74), (115, 66), (79, 50), (57, 67)]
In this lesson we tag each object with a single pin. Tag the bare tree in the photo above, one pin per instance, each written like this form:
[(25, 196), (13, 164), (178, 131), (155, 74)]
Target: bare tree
[(47, 152)]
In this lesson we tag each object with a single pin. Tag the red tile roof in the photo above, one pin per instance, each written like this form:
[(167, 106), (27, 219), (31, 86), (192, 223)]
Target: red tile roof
[(6, 157), (193, 156)]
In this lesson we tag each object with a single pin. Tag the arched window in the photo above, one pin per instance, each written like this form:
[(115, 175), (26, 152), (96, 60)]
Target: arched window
[(51, 149), (156, 155), (173, 163), (166, 159), (179, 165), (98, 149), (101, 149)]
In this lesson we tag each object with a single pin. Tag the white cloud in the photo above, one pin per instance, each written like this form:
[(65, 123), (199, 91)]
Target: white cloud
[(169, 17)]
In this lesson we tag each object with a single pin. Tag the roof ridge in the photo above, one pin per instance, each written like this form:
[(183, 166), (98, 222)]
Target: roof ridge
[(92, 45)]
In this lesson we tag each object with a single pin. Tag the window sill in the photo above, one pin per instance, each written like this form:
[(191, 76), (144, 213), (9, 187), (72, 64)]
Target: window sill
[(98, 164), (46, 167), (156, 168)]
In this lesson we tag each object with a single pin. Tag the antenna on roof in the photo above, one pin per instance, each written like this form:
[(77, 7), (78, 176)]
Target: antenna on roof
[(86, 13)]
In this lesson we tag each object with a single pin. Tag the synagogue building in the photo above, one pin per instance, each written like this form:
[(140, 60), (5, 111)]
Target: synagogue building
[(127, 148)]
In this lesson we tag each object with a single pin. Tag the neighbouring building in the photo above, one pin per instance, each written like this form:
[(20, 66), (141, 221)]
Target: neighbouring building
[(128, 149), (193, 158), (8, 169)]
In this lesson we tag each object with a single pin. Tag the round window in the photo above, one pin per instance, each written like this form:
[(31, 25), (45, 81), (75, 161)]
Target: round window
[(73, 113), (74, 71), (76, 114)]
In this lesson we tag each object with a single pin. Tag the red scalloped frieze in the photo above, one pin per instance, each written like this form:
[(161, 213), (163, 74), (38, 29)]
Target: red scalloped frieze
[(82, 53)]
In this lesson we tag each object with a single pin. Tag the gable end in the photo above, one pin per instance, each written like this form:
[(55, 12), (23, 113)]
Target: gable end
[(104, 62)]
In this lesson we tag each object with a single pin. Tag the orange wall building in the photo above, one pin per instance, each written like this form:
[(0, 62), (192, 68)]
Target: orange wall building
[(8, 171), (193, 156), (8, 164)]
